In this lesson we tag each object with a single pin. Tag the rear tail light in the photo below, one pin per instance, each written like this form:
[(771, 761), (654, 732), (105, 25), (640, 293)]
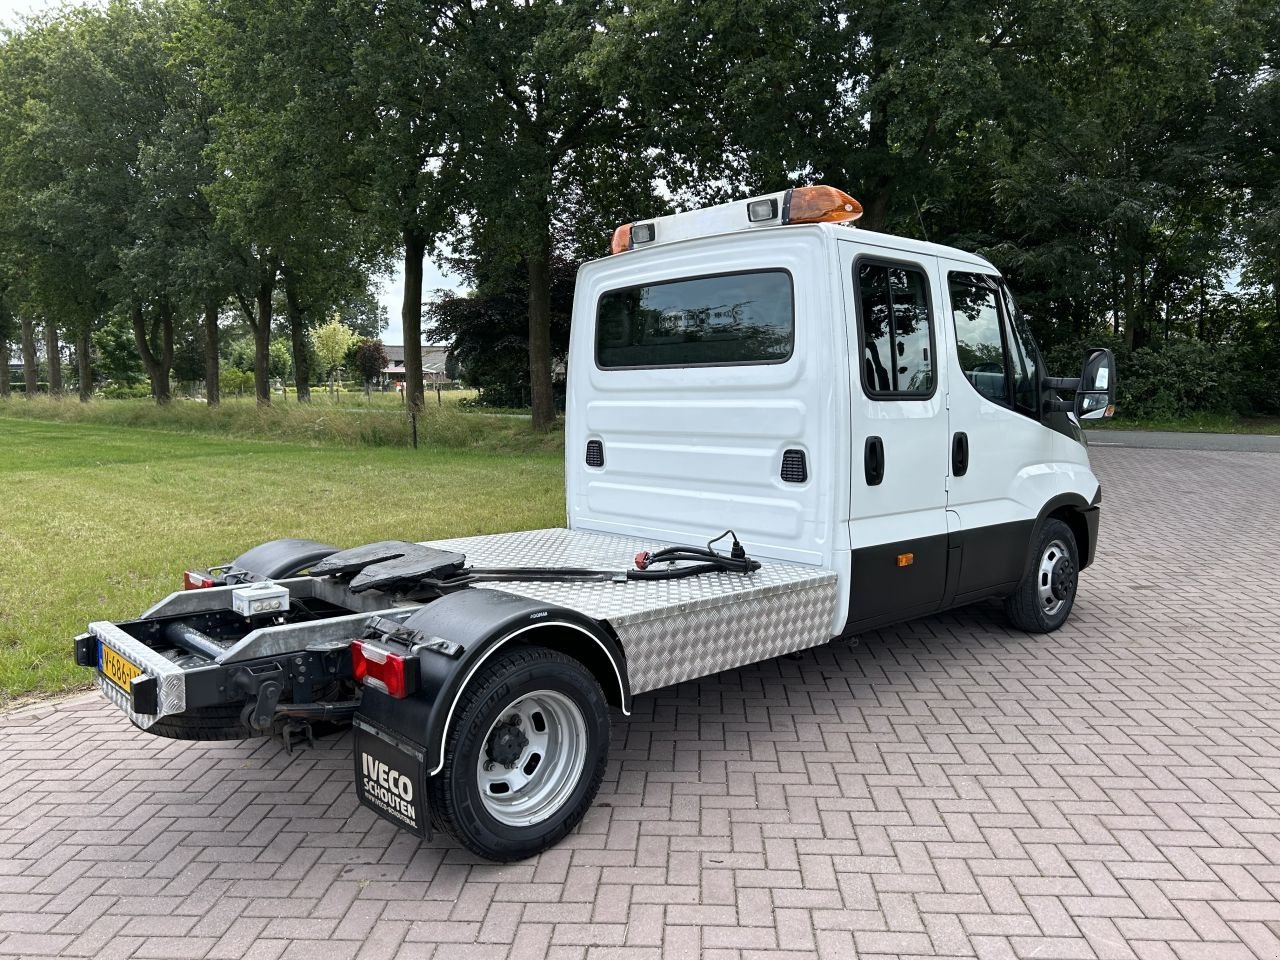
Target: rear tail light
[(194, 580), (379, 668)]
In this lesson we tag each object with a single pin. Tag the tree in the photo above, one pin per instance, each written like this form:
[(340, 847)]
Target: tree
[(281, 360), (548, 130), (333, 340), (118, 353), (42, 270), (53, 358), (275, 190), (370, 360), (30, 371), (487, 330), (7, 330)]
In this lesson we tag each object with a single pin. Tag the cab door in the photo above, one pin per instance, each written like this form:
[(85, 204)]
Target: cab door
[(1001, 452), (897, 509)]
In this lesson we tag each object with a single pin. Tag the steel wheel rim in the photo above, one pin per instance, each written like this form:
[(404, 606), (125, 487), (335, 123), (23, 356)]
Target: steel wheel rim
[(541, 778), (1050, 604)]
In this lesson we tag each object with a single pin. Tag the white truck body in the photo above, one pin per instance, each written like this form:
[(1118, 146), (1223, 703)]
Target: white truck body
[(692, 450)]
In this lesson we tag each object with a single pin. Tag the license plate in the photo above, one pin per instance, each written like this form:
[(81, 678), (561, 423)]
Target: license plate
[(117, 669)]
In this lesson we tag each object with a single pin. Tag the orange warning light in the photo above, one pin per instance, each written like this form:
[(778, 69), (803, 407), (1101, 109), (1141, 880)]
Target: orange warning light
[(820, 204)]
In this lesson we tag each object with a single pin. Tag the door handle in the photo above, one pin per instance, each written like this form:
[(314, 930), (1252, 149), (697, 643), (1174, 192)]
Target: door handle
[(873, 460), (959, 454)]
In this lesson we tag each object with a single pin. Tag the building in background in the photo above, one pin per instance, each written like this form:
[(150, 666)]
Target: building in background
[(435, 360)]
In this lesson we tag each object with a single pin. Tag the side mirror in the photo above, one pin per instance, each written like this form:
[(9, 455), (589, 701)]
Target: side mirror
[(1096, 395)]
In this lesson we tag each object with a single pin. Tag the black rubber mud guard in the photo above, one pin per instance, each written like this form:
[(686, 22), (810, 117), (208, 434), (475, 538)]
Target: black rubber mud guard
[(283, 558), (460, 631)]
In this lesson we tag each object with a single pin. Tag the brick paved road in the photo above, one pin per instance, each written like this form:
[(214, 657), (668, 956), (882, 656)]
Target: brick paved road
[(945, 789)]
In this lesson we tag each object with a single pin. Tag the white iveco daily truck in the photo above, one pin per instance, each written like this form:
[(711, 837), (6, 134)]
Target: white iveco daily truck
[(781, 430)]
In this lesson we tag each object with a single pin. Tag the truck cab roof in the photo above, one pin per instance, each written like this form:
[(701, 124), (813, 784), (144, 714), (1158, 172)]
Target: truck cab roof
[(832, 210)]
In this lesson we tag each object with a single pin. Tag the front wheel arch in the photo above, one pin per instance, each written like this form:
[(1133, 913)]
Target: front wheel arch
[(1074, 518), (1071, 509)]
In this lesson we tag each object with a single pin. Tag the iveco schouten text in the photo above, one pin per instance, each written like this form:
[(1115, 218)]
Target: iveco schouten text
[(781, 430)]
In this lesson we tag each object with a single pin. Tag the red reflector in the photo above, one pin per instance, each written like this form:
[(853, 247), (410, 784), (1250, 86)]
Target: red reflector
[(379, 668), (192, 580)]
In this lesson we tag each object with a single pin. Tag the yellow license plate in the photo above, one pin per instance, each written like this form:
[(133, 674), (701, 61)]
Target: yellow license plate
[(117, 669)]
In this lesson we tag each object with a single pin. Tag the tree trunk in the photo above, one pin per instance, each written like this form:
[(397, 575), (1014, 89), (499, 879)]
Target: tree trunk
[(262, 334), (415, 249), (1115, 284), (298, 339), (1130, 321), (212, 367), (1200, 319), (30, 372), (84, 362), (1275, 290), (53, 354), (4, 365), (543, 398), (157, 365)]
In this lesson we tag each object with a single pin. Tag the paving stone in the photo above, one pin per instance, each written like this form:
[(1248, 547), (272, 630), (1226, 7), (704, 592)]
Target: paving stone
[(946, 787)]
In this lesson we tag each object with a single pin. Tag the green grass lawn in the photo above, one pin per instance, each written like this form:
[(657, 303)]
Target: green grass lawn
[(98, 521), (382, 422), (1200, 423)]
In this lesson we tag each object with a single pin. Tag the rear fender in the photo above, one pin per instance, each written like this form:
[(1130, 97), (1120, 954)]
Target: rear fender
[(482, 623)]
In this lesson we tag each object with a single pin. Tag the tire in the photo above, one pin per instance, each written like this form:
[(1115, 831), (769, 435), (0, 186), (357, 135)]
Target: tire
[(218, 722), (1047, 592), (546, 794), (276, 559)]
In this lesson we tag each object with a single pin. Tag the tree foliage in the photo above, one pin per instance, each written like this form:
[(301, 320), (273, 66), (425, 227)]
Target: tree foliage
[(163, 159), (370, 358), (333, 341), (487, 329)]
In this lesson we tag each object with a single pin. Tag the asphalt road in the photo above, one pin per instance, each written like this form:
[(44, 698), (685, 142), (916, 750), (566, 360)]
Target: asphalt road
[(1230, 442)]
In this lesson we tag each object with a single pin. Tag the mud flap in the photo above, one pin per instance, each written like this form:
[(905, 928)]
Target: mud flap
[(391, 777)]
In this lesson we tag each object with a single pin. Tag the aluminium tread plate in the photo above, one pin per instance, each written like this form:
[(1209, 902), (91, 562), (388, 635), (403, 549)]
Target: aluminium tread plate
[(671, 630)]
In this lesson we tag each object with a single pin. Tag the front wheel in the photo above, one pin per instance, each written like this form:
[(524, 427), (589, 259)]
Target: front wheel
[(1047, 592), (525, 755)]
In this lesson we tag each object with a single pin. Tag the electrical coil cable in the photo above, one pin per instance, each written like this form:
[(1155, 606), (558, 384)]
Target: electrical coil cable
[(708, 560)]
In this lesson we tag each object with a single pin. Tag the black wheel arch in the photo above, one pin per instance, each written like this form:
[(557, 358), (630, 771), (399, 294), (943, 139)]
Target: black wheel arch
[(1076, 512), (483, 622), (282, 558)]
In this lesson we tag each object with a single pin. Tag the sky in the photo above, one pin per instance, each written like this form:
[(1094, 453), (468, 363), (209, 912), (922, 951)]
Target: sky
[(10, 10), (390, 288), (391, 294)]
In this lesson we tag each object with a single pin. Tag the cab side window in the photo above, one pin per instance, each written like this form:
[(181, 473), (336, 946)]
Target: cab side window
[(1026, 357), (897, 332), (981, 349)]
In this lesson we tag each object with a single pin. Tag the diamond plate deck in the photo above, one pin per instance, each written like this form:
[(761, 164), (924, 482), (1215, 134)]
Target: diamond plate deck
[(671, 630)]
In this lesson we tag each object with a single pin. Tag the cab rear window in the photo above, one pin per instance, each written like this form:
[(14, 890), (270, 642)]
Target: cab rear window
[(733, 318)]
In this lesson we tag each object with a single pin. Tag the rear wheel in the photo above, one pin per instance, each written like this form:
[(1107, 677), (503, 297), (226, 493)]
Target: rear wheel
[(1047, 592), (525, 755), (218, 722)]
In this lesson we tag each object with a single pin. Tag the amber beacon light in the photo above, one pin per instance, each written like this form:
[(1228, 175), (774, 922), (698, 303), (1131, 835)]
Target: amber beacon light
[(819, 204), (621, 239)]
